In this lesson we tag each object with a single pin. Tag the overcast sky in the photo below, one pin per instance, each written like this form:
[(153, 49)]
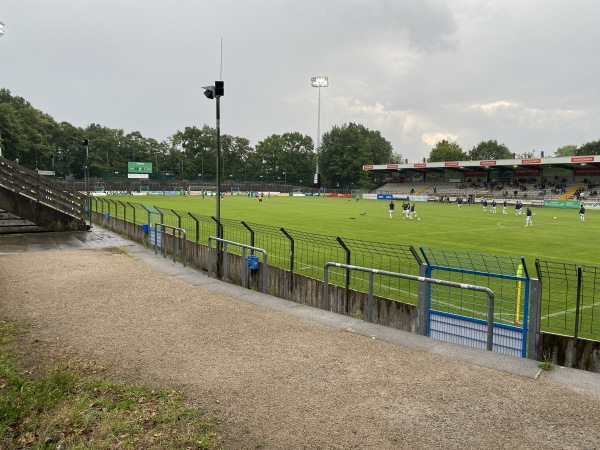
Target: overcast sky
[(523, 72)]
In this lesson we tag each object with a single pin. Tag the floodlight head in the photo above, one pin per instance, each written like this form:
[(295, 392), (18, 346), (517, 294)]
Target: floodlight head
[(319, 81), (209, 92)]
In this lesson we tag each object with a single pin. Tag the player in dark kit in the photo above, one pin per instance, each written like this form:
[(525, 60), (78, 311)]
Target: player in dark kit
[(528, 221)]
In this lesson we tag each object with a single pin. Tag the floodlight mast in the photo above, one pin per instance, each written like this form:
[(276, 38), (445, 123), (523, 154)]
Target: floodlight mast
[(319, 82)]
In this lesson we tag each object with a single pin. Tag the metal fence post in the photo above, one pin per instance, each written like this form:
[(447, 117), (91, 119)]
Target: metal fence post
[(178, 218), (124, 210), (134, 222), (348, 259), (423, 303), (370, 299), (219, 230), (115, 203), (577, 313), (535, 317), (251, 234), (326, 288), (291, 239), (197, 232)]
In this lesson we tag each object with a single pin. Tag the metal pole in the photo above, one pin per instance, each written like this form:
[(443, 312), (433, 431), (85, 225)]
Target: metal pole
[(577, 313), (87, 165), (218, 214), (318, 131)]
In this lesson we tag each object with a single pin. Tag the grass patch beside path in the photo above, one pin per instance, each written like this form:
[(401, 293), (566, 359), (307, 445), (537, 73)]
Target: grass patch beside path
[(62, 407)]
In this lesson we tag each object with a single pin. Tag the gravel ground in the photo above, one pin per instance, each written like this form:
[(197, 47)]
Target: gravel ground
[(279, 381)]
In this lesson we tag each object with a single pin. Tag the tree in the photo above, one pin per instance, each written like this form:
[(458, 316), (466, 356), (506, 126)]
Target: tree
[(344, 151), (589, 148), (525, 155), (447, 151), (284, 157), (565, 150), (195, 149), (489, 150)]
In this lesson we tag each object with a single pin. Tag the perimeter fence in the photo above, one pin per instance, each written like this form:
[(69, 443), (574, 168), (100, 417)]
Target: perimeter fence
[(569, 304), (570, 299)]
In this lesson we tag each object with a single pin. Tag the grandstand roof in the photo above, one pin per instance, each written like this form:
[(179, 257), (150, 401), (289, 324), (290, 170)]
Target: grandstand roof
[(568, 162)]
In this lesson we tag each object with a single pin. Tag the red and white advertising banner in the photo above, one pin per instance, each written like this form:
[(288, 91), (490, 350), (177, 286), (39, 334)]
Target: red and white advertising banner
[(580, 159)]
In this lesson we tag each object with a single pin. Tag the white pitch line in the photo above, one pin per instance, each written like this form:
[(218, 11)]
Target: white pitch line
[(559, 313)]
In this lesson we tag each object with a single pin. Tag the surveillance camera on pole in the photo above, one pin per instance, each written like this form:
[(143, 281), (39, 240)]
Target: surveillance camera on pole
[(217, 91)]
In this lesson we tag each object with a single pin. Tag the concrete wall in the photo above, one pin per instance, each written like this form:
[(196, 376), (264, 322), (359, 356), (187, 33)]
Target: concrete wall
[(564, 351)]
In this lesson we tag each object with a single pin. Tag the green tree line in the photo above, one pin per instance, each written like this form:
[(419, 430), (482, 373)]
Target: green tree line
[(35, 140), (445, 150)]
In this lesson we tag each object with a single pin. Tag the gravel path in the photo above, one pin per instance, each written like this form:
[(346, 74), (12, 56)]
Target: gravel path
[(280, 381)]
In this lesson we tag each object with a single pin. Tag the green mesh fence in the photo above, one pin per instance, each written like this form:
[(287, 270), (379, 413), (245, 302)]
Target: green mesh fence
[(570, 299)]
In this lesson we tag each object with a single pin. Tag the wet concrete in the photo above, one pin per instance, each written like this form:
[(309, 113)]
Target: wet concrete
[(68, 240)]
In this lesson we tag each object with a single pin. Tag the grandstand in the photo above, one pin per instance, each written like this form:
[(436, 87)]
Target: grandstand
[(536, 179)]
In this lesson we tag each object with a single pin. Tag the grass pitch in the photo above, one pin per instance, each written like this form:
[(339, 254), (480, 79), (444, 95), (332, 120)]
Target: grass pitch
[(556, 235)]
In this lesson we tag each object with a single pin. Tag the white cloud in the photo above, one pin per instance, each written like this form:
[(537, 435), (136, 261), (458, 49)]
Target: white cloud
[(433, 138)]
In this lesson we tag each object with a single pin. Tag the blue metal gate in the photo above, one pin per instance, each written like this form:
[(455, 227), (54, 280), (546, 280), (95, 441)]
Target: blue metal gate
[(459, 316)]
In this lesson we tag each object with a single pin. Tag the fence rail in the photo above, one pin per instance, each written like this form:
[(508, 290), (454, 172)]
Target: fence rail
[(304, 253)]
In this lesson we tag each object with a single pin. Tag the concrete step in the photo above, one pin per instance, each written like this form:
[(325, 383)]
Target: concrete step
[(10, 223)]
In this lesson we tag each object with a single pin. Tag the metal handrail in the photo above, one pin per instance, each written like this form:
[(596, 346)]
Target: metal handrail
[(488, 291), (244, 248), (162, 241)]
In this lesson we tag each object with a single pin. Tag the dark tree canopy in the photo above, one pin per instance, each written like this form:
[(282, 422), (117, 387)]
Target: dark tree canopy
[(565, 150), (489, 150), (589, 148), (447, 151), (344, 151)]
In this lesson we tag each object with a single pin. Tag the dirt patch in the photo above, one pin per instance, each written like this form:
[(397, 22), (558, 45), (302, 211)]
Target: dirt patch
[(277, 381)]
